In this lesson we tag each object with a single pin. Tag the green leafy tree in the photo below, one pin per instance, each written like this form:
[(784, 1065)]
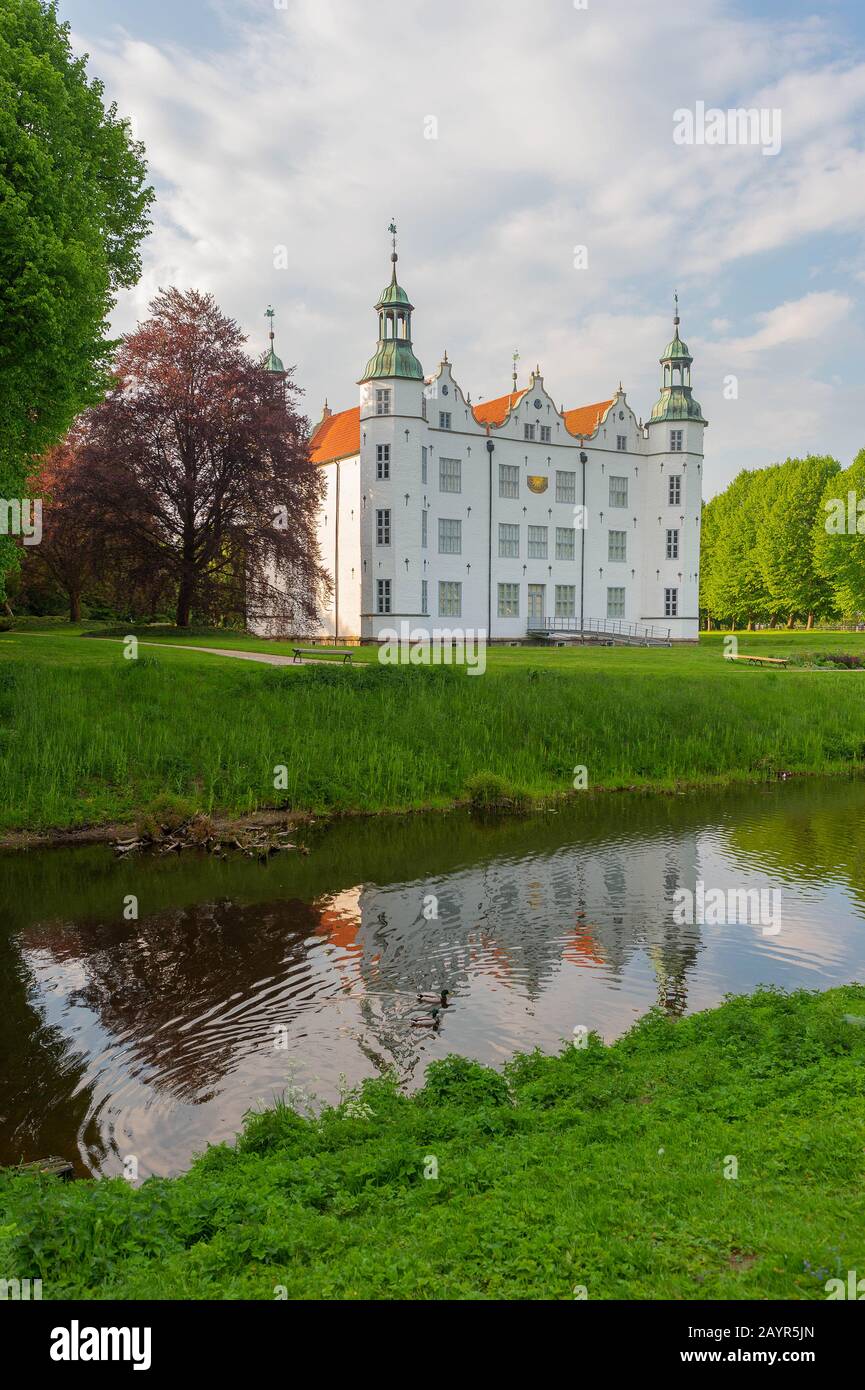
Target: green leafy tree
[(839, 537), (785, 546), (734, 588), (74, 209)]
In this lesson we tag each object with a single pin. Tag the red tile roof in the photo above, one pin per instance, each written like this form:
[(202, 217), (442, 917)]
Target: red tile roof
[(337, 437), (584, 419), (496, 412)]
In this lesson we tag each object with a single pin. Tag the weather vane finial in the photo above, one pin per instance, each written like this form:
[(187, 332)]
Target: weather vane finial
[(516, 360), (270, 313), (676, 302), (392, 230)]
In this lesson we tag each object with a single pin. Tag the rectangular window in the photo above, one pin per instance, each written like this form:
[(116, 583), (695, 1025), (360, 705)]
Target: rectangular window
[(566, 487), (528, 432), (382, 401), (671, 603), (424, 529), (450, 599), (509, 600), (382, 461), (509, 480), (566, 600), (676, 439), (450, 537), (424, 596), (565, 542), (615, 603), (672, 545), (423, 463), (382, 590), (450, 475), (622, 443), (618, 492), (537, 542), (546, 434), (617, 545), (382, 526), (509, 541), (674, 490), (444, 419)]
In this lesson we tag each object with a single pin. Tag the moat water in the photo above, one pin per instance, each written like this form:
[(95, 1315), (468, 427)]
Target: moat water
[(148, 1038)]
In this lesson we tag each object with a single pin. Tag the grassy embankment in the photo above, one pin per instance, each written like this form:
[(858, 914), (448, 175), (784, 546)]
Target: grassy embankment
[(603, 1167), (87, 737)]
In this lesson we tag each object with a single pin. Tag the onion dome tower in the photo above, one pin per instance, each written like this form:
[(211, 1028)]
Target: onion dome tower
[(394, 356), (676, 401)]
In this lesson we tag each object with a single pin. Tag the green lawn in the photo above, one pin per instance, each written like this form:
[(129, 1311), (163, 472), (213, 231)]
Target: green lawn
[(87, 737), (608, 1168)]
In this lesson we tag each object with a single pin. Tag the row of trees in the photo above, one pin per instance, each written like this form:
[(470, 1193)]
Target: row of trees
[(785, 544)]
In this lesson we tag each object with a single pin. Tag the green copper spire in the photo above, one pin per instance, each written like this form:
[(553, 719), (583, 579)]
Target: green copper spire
[(676, 401), (272, 363), (393, 356)]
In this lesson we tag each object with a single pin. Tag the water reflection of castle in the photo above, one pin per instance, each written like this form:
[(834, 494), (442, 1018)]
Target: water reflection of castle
[(593, 905)]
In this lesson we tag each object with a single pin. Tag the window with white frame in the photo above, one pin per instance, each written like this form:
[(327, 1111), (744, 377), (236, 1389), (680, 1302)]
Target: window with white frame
[(382, 595), (615, 603), (509, 600), (676, 441), (566, 600), (618, 492), (450, 599), (450, 536), (672, 544), (509, 480), (528, 432), (444, 419), (671, 603), (424, 596), (423, 463), (537, 542), (674, 490), (450, 475), (566, 538), (424, 529), (617, 545), (382, 526), (509, 541), (622, 443), (382, 461), (546, 434), (382, 401), (566, 486)]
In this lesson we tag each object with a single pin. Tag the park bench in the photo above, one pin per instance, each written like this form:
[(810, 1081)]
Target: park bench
[(759, 660), (319, 652)]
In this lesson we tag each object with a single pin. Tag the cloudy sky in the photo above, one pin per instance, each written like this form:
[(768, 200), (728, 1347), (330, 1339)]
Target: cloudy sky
[(283, 136)]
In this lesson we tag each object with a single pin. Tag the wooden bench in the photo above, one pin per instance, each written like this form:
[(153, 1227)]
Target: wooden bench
[(319, 652), (759, 660)]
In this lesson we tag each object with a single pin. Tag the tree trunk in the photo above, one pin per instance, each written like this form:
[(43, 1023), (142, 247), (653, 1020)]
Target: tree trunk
[(74, 606), (810, 622), (773, 621), (791, 620), (184, 603), (750, 627)]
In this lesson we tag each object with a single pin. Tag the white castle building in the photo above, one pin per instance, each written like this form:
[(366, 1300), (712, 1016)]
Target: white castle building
[(511, 517)]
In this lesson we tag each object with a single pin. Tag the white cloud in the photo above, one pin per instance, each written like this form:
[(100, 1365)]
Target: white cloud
[(306, 129)]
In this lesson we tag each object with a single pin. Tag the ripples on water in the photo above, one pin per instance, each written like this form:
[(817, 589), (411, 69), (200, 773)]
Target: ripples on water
[(151, 1038)]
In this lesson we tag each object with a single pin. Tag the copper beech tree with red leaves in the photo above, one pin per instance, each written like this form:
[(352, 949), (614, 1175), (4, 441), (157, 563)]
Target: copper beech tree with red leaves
[(197, 467)]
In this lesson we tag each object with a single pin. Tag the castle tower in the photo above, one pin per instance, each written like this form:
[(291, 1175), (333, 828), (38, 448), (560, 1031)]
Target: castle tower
[(391, 425), (674, 497)]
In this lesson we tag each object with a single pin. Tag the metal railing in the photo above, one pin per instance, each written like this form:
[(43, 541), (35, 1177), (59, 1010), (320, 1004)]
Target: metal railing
[(601, 627)]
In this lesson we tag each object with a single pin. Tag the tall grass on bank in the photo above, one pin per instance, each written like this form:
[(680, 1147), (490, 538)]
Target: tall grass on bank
[(86, 736), (605, 1169)]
